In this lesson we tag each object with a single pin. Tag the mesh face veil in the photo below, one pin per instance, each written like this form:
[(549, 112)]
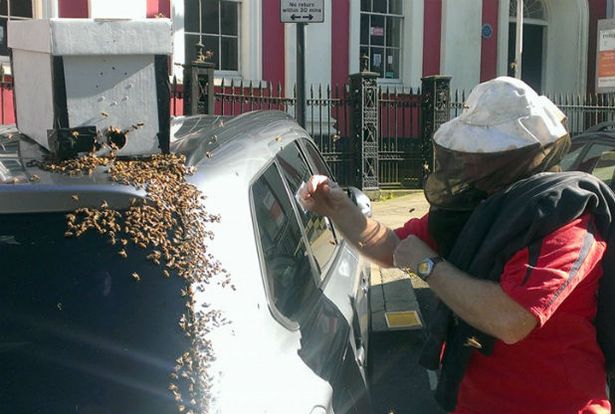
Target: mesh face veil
[(506, 132)]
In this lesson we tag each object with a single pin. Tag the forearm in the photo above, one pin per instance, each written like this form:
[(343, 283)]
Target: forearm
[(481, 303), (374, 240)]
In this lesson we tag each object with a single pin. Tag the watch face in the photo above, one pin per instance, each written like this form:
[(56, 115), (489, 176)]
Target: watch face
[(424, 267)]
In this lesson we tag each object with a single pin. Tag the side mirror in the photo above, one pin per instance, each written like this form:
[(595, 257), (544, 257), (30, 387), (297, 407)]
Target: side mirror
[(361, 200)]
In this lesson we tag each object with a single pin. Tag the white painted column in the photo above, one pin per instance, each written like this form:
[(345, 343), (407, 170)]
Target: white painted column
[(179, 41), (565, 47), (412, 43), (354, 38), (461, 42), (251, 34), (45, 9), (124, 9), (503, 25)]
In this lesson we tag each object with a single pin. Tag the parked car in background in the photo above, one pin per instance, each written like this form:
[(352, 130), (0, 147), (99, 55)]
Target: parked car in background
[(80, 335), (593, 152)]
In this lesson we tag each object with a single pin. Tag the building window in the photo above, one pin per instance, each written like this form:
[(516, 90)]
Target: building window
[(214, 24), (12, 10), (381, 36), (532, 9)]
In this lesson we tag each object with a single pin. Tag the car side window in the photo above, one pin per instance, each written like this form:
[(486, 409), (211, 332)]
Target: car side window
[(321, 238), (569, 160), (591, 158), (289, 274), (317, 161), (605, 167)]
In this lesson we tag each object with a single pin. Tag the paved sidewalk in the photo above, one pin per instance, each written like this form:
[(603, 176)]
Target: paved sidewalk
[(393, 300)]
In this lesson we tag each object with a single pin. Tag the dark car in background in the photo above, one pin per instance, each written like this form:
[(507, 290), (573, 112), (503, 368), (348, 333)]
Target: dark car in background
[(593, 151)]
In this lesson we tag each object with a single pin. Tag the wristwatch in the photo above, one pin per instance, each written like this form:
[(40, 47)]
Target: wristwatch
[(425, 267)]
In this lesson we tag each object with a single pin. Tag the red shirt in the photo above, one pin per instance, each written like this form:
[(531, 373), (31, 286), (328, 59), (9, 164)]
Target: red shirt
[(558, 368)]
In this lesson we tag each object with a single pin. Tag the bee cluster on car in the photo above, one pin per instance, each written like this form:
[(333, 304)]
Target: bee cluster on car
[(109, 133), (170, 222)]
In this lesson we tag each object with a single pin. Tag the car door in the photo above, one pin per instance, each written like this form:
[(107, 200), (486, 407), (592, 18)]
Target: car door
[(361, 291), (339, 269), (293, 252)]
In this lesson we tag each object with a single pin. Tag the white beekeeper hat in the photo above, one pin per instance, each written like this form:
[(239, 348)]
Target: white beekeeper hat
[(506, 132), (500, 115)]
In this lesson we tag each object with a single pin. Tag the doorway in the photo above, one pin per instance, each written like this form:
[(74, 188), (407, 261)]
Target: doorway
[(532, 59)]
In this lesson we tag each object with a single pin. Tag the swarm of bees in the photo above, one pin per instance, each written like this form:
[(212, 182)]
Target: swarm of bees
[(171, 223)]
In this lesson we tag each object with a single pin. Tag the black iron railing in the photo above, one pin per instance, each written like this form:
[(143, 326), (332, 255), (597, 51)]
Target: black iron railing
[(582, 111)]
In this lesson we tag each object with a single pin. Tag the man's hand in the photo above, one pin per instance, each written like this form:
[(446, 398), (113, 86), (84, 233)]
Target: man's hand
[(410, 251), (481, 303), (323, 196)]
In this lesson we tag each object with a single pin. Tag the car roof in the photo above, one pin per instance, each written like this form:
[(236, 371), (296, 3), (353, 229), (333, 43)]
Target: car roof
[(217, 146)]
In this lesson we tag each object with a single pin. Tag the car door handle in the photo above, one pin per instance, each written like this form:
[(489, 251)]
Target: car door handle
[(364, 285), (361, 355)]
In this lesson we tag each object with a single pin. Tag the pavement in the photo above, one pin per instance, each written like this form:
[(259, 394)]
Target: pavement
[(393, 297)]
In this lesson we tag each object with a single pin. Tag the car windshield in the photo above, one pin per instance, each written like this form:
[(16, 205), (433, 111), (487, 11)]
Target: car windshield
[(78, 332)]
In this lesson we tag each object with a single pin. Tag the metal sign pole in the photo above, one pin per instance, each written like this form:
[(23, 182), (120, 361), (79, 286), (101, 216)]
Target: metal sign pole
[(300, 103), (301, 13)]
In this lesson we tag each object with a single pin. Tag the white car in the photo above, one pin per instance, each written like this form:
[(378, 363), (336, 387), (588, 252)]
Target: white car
[(79, 335)]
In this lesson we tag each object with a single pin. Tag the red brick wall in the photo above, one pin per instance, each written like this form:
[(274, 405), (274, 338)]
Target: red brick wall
[(432, 34), (489, 46), (73, 8)]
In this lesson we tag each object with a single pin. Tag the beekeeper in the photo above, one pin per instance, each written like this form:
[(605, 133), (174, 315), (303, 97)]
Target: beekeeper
[(512, 248)]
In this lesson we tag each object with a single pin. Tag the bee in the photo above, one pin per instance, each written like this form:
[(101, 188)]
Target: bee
[(166, 273), (136, 276), (35, 178), (104, 114), (278, 138), (104, 204), (123, 253), (473, 342), (208, 154), (124, 242), (59, 306), (74, 134), (75, 197), (140, 124)]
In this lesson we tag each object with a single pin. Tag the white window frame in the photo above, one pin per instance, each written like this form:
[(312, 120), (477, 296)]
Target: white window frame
[(384, 45), (412, 45), (250, 42)]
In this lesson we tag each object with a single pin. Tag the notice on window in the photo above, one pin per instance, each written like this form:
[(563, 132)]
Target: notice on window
[(377, 60), (377, 31), (605, 59)]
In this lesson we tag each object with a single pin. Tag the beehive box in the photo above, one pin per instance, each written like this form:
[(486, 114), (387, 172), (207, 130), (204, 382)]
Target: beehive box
[(71, 73)]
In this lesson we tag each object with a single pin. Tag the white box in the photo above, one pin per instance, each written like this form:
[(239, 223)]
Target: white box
[(72, 73)]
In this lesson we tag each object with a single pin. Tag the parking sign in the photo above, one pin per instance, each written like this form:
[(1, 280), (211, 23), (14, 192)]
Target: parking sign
[(302, 11)]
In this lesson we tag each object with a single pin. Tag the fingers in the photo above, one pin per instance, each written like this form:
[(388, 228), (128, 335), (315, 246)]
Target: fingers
[(410, 251), (316, 181)]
